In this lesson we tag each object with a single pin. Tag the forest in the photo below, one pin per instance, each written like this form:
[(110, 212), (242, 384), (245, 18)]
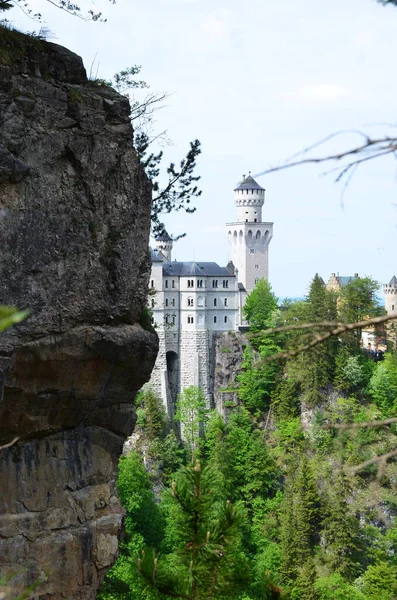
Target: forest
[(291, 494)]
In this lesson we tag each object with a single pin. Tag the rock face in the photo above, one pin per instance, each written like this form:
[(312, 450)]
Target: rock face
[(74, 226), (229, 348)]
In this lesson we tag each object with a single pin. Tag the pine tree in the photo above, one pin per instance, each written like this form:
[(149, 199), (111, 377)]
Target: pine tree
[(192, 414), (306, 580), (307, 511), (340, 529), (208, 561)]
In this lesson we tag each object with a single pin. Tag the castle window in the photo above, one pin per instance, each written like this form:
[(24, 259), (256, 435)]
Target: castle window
[(173, 319), (225, 319), (256, 280), (252, 250), (152, 283), (190, 301), (190, 320), (173, 283), (255, 220), (153, 303), (214, 301), (256, 266), (200, 301), (190, 283), (166, 319), (166, 283), (246, 220), (225, 302), (225, 283), (214, 319), (392, 307), (214, 283), (166, 301), (173, 302), (199, 283)]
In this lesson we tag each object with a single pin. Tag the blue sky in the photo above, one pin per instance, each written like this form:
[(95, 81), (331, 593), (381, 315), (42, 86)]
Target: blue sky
[(256, 82)]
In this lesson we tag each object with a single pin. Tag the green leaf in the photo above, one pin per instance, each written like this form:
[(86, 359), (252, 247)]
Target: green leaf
[(10, 316)]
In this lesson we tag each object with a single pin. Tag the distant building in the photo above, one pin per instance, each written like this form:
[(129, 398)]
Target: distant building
[(194, 301), (390, 290), (336, 282)]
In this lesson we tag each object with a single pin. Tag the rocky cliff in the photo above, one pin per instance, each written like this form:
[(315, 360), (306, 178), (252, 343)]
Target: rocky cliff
[(229, 348), (74, 227)]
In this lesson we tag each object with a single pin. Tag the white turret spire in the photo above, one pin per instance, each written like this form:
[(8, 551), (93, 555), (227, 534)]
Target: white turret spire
[(249, 197)]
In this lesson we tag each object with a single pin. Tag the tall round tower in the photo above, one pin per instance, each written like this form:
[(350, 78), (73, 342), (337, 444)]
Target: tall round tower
[(249, 237), (390, 290), (164, 243), (249, 197)]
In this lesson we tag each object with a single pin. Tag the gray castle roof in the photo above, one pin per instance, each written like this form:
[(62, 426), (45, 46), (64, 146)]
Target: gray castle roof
[(184, 269), (393, 280), (249, 183), (156, 256), (164, 237)]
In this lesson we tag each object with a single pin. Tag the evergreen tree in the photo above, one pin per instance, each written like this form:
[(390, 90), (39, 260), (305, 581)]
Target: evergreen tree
[(207, 562), (380, 582), (306, 580), (191, 412), (314, 368), (358, 302), (340, 529)]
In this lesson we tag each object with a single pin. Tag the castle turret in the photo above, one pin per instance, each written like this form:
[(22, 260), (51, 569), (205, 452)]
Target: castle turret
[(249, 236), (164, 244), (249, 197), (390, 290)]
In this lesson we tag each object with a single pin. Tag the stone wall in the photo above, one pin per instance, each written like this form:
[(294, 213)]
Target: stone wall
[(229, 348), (74, 226)]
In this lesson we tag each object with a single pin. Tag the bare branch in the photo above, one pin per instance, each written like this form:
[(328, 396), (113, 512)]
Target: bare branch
[(343, 426), (319, 339), (371, 148), (14, 441), (377, 459)]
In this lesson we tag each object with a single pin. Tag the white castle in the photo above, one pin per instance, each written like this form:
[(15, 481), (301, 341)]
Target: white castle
[(193, 302), (390, 290)]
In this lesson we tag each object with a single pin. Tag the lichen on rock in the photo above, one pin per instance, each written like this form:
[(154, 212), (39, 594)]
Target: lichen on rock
[(74, 225)]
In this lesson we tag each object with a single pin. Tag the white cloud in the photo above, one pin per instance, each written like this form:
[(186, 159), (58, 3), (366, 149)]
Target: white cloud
[(319, 93)]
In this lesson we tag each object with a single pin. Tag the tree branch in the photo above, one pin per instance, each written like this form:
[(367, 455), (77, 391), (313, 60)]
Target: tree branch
[(319, 339), (14, 441)]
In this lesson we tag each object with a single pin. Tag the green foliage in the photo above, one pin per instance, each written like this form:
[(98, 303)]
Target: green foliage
[(260, 305), (383, 384), (335, 587), (143, 526), (154, 415), (207, 561), (258, 379), (181, 186), (380, 582), (341, 529), (11, 316), (285, 399), (358, 302), (192, 414)]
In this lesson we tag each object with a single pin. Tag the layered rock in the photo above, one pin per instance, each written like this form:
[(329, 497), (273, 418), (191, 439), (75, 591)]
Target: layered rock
[(229, 348), (74, 226)]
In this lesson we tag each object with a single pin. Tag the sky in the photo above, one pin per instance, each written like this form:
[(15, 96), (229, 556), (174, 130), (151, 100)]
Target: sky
[(256, 82)]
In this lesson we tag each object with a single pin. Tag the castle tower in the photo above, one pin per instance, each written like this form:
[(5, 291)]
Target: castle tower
[(249, 236), (390, 290), (164, 244)]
